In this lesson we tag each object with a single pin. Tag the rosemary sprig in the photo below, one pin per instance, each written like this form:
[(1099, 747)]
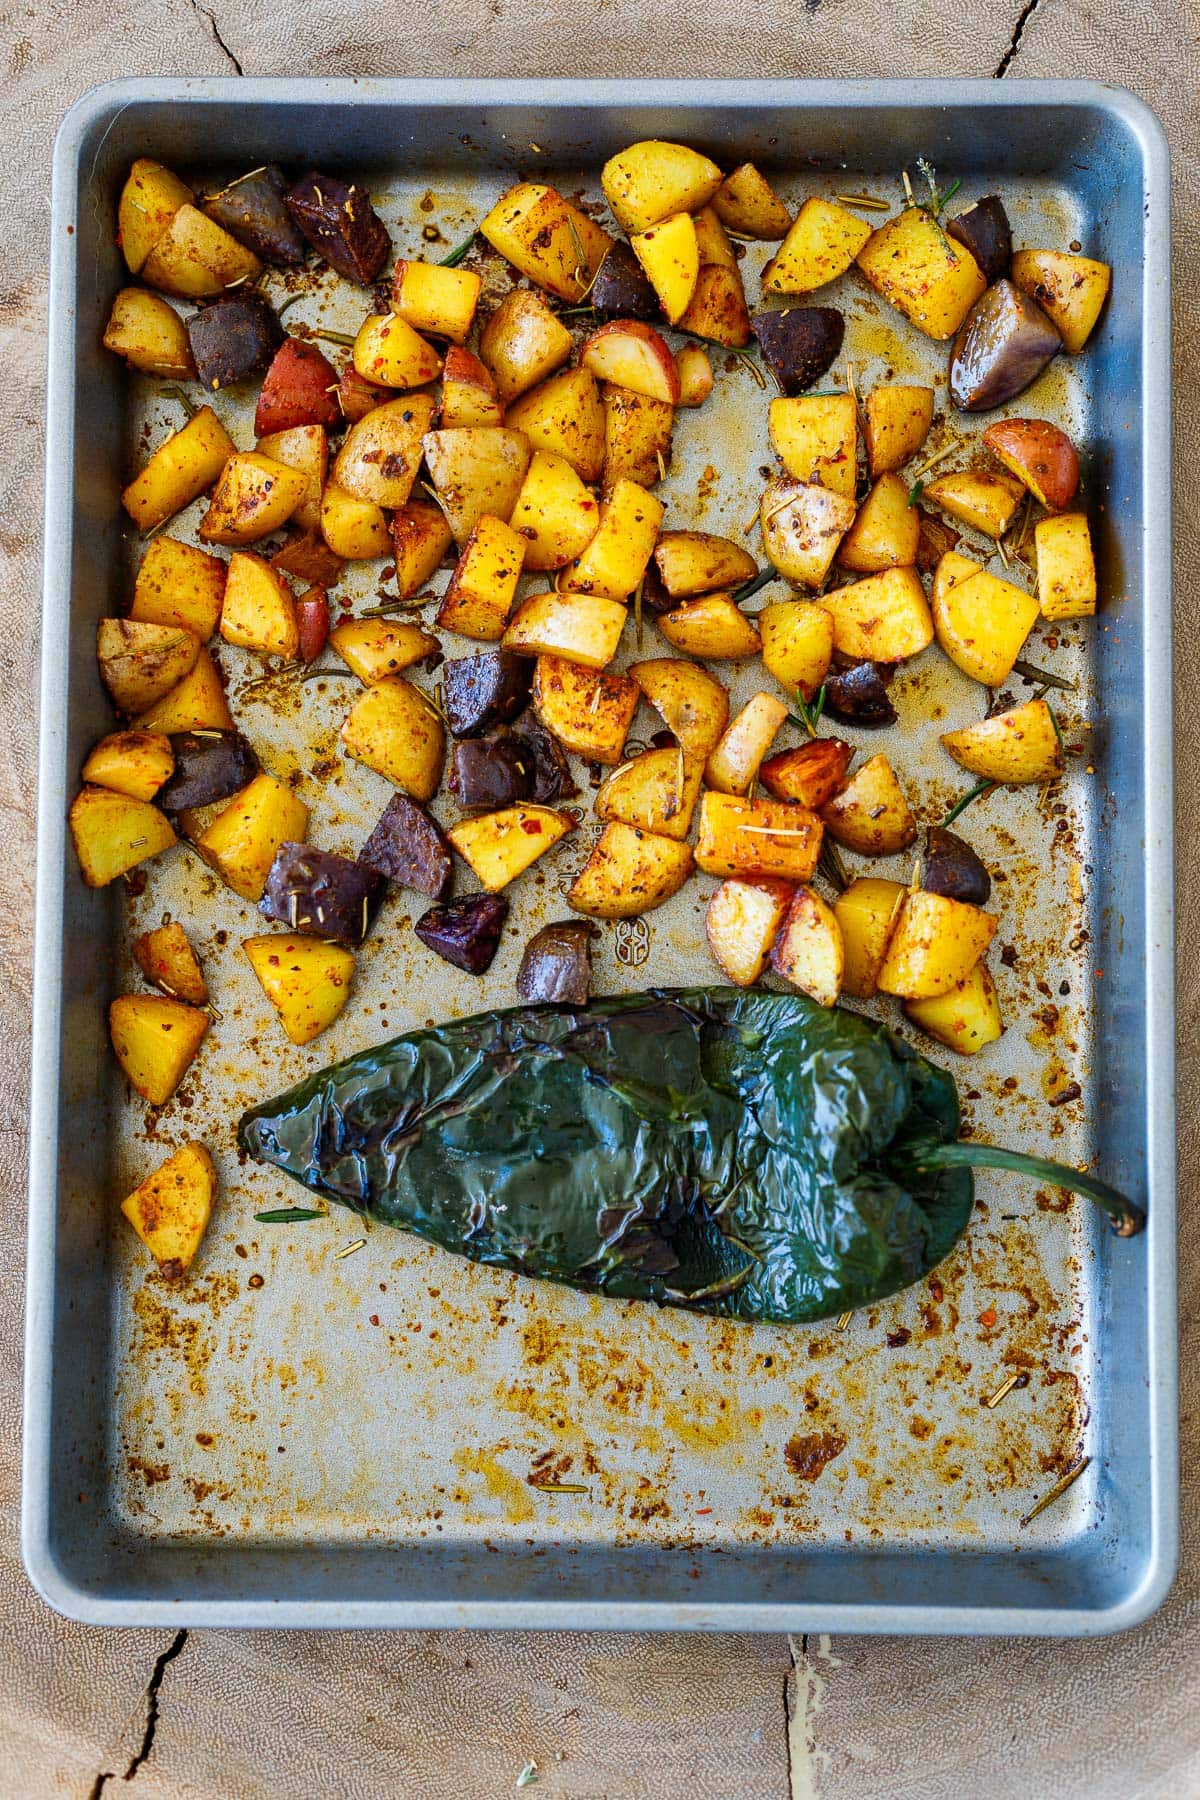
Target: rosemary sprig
[(292, 300), (288, 1215), (1057, 728), (333, 337), (763, 579), (413, 603), (915, 492), (1031, 672), (459, 253), (1060, 1487), (746, 357), (637, 611), (328, 675), (810, 715), (937, 199), (180, 398), (831, 865), (960, 806)]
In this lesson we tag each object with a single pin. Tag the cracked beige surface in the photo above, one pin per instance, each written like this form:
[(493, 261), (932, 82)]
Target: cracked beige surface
[(373, 1715)]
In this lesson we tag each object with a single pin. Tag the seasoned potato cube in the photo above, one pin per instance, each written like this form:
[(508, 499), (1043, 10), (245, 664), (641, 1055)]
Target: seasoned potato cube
[(483, 586), (797, 641), (871, 814), (582, 627), (150, 335), (637, 436), (253, 497), (469, 395), (306, 979), (1020, 745), (140, 663), (171, 1209), (499, 846), (259, 612), (886, 531), (587, 710), (656, 792), (967, 1018), (934, 945), (816, 437), (629, 872), (390, 354), (476, 469), (565, 415), (980, 498), (195, 258), (733, 764), (746, 203), (812, 773), (802, 525), (670, 256), (183, 467), (151, 197), (693, 703), (305, 448), (882, 618), (522, 343), (757, 837), (177, 584), (395, 730), (547, 239), (952, 568), (897, 421), (1066, 568), (808, 951), (1071, 289), (166, 958), (131, 762), (354, 529), (981, 624), (554, 512), (113, 832), (1042, 458), (241, 842), (155, 1040), (918, 269), (819, 247), (431, 297), (197, 703), (717, 309), (380, 456), (866, 913), (742, 922), (696, 562), (629, 353), (652, 179), (377, 648), (615, 561), (695, 374), (420, 539), (713, 628)]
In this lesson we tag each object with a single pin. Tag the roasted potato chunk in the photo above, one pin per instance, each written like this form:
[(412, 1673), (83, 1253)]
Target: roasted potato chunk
[(390, 354), (746, 203), (966, 1019), (151, 197), (482, 589), (242, 841), (916, 267), (150, 335), (757, 837), (420, 539), (808, 952), (866, 914), (554, 512), (1066, 568), (465, 933), (522, 343), (253, 209), (816, 437), (306, 980), (882, 618), (935, 943), (656, 792), (377, 648), (565, 415), (1017, 746), (304, 448), (653, 179), (195, 259), (476, 469), (637, 437), (499, 846), (589, 711), (170, 1210), (670, 255), (197, 703), (1041, 457), (812, 773), (131, 762), (797, 643), (615, 561), (547, 239), (802, 525), (584, 628), (628, 353), (165, 957), (871, 814), (557, 964), (430, 297), (259, 612), (734, 763), (297, 389), (1070, 289), (981, 624), (469, 395), (713, 628), (178, 471), (799, 343), (113, 832), (886, 531), (897, 421), (695, 374), (629, 872), (693, 703), (820, 246), (697, 562), (140, 663), (354, 529), (742, 922), (155, 1040), (253, 497), (179, 585), (983, 500), (380, 456), (396, 731)]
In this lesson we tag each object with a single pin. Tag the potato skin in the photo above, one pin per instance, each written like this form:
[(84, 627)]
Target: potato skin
[(232, 338), (622, 289), (209, 766), (409, 850), (1004, 342), (952, 868), (987, 234), (253, 210), (465, 933), (629, 872), (296, 390), (481, 691), (799, 343), (321, 893), (341, 225), (557, 964), (859, 695)]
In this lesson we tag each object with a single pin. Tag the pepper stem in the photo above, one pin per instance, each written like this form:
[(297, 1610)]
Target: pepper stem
[(1127, 1219)]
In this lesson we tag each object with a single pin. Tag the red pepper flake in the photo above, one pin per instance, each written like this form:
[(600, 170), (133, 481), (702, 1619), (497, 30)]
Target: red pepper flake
[(988, 1317), (702, 1510), (374, 1318), (936, 1289), (532, 827)]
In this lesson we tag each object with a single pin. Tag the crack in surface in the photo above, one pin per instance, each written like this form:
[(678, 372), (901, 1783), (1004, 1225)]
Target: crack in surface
[(1014, 43), (206, 12), (104, 1776)]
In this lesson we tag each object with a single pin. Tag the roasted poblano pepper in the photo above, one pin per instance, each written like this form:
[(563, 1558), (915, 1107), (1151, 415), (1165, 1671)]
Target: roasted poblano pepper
[(747, 1154)]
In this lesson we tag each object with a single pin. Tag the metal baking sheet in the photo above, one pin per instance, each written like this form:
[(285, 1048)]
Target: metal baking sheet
[(309, 1434)]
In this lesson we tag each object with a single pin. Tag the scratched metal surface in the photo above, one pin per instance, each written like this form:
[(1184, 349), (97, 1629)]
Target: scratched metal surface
[(289, 1393)]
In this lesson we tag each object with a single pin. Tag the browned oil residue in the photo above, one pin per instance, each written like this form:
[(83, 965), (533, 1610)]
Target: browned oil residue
[(150, 1472), (807, 1455)]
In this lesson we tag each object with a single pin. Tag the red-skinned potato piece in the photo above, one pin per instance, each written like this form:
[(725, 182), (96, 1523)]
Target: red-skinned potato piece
[(469, 394), (1040, 455), (297, 389), (356, 396), (631, 354), (312, 623)]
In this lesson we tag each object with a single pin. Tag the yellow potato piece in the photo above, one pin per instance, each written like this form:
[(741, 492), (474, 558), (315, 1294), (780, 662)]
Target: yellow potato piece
[(482, 589), (693, 703), (698, 562), (522, 343), (1066, 567), (897, 419), (499, 846), (820, 246), (629, 872), (742, 923), (797, 641), (935, 944), (589, 711), (354, 529), (866, 913), (150, 335), (980, 498), (564, 415), (918, 269), (476, 469), (196, 258), (882, 618), (420, 539), (802, 525), (967, 1018), (140, 663), (155, 1040), (652, 179), (388, 352), (816, 438), (746, 203), (637, 436), (179, 470), (377, 648), (733, 764), (1017, 746), (166, 958), (982, 623), (380, 455), (431, 297), (306, 979), (151, 197), (547, 239), (254, 496), (886, 531), (584, 628), (241, 842), (615, 561), (178, 584), (113, 832), (656, 792), (396, 731), (259, 612), (712, 628), (197, 703), (871, 813), (757, 837), (670, 256), (1071, 289), (808, 952), (171, 1209), (131, 762)]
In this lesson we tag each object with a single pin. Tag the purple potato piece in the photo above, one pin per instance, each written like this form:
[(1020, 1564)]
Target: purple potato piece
[(1004, 342), (953, 869), (465, 932), (321, 893), (859, 695), (655, 598), (985, 231), (252, 210), (557, 964), (209, 765), (621, 288), (551, 772), (491, 772), (407, 848), (341, 225), (485, 690), (233, 338), (799, 343)]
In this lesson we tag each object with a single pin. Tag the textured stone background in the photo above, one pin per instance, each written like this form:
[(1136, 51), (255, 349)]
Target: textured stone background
[(451, 1715)]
